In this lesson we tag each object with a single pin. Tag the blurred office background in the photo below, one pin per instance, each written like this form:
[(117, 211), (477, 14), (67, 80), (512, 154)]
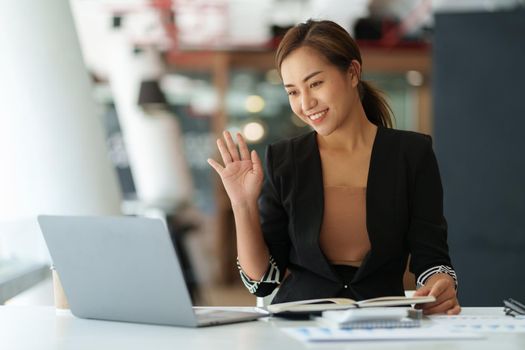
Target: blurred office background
[(112, 107)]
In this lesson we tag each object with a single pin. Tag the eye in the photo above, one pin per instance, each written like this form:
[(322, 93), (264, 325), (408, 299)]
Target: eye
[(291, 92), (315, 83)]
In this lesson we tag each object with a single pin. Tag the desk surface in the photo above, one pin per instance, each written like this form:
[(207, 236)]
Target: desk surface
[(33, 327), (17, 276)]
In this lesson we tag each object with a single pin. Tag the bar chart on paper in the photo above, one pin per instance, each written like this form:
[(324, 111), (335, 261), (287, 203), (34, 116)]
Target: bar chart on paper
[(481, 324), (326, 334)]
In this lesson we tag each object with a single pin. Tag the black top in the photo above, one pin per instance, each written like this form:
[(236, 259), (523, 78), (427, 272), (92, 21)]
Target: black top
[(404, 206)]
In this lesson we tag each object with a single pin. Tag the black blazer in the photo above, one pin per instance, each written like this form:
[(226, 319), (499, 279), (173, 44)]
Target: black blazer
[(404, 206)]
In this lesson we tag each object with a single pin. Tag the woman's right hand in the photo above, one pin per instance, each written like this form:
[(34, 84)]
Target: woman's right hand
[(242, 173)]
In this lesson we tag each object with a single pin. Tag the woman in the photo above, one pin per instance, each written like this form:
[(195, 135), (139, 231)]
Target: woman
[(342, 207)]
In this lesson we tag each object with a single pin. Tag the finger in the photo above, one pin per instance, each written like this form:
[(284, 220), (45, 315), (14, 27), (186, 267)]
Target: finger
[(215, 165), (443, 290), (243, 148), (438, 288), (223, 150), (422, 292), (449, 293), (256, 163), (441, 308), (442, 298), (455, 310), (232, 147)]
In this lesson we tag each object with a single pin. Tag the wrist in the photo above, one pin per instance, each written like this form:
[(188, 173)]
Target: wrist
[(440, 270), (439, 276), (244, 206)]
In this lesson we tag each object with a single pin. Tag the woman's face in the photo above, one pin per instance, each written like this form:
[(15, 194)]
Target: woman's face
[(319, 93)]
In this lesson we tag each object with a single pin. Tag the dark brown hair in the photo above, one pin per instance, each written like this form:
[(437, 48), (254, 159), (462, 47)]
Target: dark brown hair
[(337, 46)]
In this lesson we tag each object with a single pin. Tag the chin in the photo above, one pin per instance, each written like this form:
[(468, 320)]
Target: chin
[(323, 131)]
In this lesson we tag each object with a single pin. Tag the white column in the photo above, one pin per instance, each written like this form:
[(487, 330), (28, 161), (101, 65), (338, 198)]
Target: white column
[(53, 157), (153, 139)]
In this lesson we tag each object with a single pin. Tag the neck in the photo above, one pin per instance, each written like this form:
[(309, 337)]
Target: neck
[(355, 133)]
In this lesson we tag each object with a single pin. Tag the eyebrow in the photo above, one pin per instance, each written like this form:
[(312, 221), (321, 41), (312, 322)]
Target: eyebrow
[(309, 76)]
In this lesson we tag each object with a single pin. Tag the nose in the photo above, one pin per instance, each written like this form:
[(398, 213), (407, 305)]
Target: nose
[(308, 102)]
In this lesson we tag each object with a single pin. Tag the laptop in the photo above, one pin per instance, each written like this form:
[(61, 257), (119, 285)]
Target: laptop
[(125, 269)]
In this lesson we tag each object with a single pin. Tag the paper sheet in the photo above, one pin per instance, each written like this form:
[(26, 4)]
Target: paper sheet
[(325, 334), (492, 324)]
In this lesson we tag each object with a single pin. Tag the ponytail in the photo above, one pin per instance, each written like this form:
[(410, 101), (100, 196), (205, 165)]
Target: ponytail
[(376, 108)]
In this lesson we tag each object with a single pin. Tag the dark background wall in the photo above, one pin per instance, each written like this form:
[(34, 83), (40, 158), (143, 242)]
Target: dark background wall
[(479, 114)]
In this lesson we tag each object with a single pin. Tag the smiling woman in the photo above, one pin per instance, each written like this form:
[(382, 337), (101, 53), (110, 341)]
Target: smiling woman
[(339, 209)]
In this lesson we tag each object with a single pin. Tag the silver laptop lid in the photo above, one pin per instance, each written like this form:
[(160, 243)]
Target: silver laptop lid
[(118, 268)]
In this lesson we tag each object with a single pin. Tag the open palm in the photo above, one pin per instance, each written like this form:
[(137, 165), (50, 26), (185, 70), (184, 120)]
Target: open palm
[(242, 173)]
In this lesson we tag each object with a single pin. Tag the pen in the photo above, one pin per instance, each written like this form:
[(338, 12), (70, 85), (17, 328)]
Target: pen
[(514, 308), (517, 303)]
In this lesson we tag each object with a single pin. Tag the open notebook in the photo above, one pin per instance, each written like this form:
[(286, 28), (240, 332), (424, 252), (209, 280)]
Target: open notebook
[(317, 305)]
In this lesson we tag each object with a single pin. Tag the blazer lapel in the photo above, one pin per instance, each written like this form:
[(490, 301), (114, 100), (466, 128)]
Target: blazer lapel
[(380, 202), (309, 206)]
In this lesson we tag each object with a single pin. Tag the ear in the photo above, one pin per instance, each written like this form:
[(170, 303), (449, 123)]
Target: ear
[(355, 72)]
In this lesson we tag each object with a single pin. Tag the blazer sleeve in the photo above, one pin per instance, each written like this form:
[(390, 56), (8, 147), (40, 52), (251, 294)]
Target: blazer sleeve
[(273, 216), (427, 234)]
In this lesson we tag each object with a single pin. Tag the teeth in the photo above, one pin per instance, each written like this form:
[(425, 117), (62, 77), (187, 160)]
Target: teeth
[(317, 115)]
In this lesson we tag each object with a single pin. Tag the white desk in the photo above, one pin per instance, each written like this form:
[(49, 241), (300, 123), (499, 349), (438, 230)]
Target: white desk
[(17, 276), (43, 328)]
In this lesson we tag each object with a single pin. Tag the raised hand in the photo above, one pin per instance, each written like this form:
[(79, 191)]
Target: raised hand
[(242, 173)]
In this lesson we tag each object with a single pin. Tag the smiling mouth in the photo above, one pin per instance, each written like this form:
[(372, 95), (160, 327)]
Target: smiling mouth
[(317, 115)]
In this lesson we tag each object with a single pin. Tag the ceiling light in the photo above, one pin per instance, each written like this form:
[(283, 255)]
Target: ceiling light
[(253, 131), (414, 78), (254, 104)]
